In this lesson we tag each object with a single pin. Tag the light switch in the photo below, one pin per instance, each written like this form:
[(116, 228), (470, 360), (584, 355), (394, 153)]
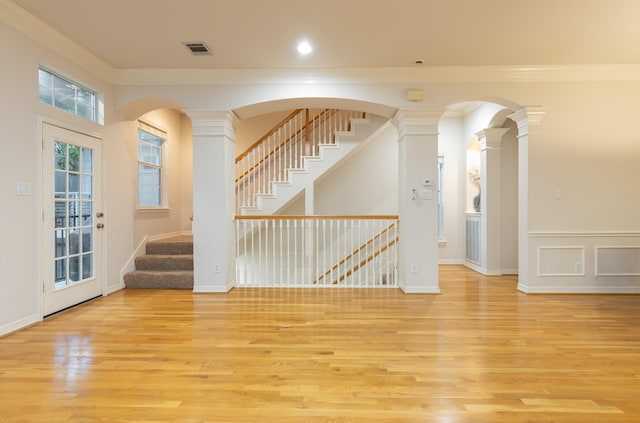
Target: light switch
[(23, 188)]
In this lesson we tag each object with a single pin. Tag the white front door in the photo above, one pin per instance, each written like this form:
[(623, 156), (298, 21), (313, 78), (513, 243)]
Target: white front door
[(72, 218)]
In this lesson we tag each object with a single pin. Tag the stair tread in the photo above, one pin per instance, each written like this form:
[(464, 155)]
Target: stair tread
[(145, 279), (170, 247), (164, 256)]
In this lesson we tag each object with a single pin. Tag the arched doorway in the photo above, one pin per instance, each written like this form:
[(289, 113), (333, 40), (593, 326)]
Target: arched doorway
[(480, 148)]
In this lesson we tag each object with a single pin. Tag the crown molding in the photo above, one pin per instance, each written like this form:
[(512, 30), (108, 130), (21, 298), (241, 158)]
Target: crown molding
[(400, 75), (43, 34), (38, 30)]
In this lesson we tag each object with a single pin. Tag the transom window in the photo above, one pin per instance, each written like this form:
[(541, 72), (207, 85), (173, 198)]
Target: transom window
[(67, 95), (151, 168)]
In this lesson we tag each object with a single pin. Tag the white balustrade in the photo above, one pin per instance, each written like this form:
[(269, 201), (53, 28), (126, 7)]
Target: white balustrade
[(284, 148), (317, 251)]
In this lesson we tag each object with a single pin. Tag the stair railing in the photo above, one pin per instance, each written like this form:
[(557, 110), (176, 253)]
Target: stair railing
[(317, 251), (285, 147), (362, 256)]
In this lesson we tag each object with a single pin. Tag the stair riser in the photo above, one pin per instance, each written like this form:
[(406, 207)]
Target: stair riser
[(160, 280), (170, 248), (166, 263)]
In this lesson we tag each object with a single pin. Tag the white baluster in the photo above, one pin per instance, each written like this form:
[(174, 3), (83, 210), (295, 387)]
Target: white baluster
[(295, 251), (261, 278), (288, 252), (237, 226)]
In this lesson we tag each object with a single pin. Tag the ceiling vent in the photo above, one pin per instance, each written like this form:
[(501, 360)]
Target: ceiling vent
[(198, 48)]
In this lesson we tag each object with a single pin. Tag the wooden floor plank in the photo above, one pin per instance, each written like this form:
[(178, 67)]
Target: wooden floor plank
[(478, 352)]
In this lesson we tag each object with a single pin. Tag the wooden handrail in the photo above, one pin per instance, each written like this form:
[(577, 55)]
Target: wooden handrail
[(292, 139), (283, 143), (356, 251), (268, 134), (318, 217), (367, 260)]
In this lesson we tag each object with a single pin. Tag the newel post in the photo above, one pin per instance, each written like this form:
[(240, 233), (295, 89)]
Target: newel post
[(213, 200)]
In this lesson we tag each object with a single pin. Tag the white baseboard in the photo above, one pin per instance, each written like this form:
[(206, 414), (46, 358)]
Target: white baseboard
[(475, 267), (418, 289), (212, 289), (451, 261), (579, 290), (19, 324)]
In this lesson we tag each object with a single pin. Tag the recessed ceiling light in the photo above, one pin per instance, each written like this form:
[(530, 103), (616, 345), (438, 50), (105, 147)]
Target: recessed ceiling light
[(304, 48)]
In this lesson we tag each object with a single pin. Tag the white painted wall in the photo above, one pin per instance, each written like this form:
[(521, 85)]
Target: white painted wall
[(175, 217), (251, 129), (20, 114), (365, 183), (452, 146)]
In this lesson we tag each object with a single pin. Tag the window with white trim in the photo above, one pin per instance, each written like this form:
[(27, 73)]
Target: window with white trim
[(65, 94), (151, 166)]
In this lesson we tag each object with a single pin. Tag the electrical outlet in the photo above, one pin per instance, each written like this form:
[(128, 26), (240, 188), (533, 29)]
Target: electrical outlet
[(414, 267), (216, 268)]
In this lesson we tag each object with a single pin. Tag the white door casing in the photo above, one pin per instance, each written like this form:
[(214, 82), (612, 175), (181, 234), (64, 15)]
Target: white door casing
[(72, 230)]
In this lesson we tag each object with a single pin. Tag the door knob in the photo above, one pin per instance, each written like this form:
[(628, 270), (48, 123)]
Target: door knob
[(99, 215), (100, 225)]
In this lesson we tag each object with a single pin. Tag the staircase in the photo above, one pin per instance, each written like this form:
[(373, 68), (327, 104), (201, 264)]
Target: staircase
[(278, 174), (167, 264)]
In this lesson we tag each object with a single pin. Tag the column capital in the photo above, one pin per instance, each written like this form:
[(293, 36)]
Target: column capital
[(491, 138), (212, 123), (418, 121), (528, 118)]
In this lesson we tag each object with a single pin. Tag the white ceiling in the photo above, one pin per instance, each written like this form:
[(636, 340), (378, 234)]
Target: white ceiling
[(262, 34)]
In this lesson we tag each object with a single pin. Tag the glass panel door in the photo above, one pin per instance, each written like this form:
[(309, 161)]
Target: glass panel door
[(73, 220)]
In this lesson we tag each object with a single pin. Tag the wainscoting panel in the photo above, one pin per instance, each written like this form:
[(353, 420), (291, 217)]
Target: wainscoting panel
[(617, 260), (582, 262), (561, 261)]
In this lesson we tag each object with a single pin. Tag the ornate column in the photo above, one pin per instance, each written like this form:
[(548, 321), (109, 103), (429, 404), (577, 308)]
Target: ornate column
[(418, 204), (213, 199), (490, 198), (527, 119)]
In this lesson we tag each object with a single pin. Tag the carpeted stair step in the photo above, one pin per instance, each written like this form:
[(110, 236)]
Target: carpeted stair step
[(139, 279), (167, 264), (171, 246), (162, 262)]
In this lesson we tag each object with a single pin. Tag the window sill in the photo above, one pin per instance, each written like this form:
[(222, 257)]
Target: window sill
[(153, 209)]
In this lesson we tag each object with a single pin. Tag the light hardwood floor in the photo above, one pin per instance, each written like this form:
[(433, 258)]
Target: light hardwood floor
[(478, 352)]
